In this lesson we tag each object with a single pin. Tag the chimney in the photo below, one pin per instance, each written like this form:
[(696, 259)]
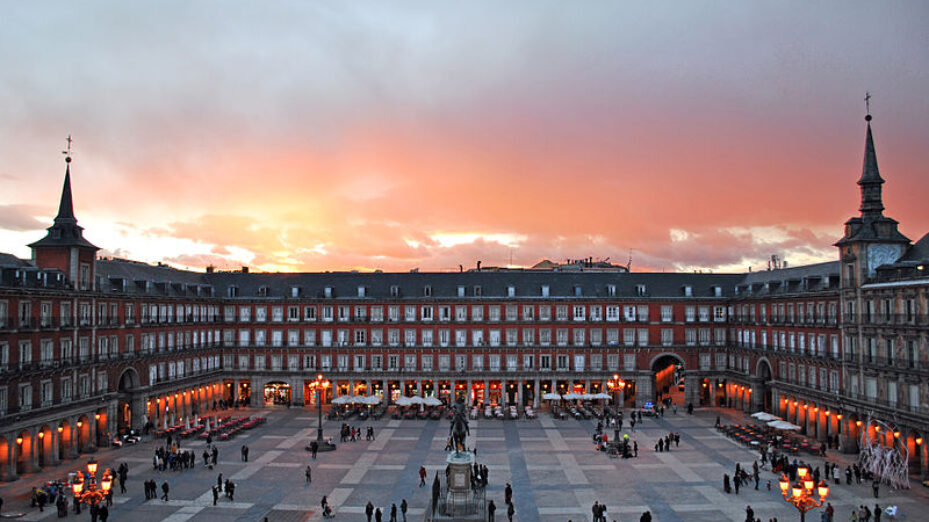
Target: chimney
[(210, 269), (478, 265), (460, 268), (244, 269)]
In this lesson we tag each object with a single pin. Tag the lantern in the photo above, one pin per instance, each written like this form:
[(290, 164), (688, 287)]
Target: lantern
[(808, 484), (823, 491), (107, 481), (41, 434), (19, 439), (78, 485), (92, 467), (802, 471), (784, 485), (61, 429), (797, 492), (97, 416)]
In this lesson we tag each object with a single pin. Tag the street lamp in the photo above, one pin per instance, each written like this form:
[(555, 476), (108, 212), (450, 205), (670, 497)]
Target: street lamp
[(90, 493), (801, 493), (320, 385), (615, 384)]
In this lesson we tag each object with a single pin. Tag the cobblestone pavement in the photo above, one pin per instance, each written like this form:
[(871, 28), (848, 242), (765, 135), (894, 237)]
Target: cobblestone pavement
[(555, 473)]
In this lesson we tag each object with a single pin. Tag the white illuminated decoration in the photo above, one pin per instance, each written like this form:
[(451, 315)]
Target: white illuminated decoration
[(890, 465)]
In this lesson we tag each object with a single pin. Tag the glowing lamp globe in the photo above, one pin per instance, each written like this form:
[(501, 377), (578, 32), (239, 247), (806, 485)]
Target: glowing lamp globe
[(802, 471), (784, 485), (92, 467), (808, 484), (77, 487), (797, 492), (823, 491)]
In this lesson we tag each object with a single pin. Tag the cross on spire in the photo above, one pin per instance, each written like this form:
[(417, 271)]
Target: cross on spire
[(67, 153), (867, 102)]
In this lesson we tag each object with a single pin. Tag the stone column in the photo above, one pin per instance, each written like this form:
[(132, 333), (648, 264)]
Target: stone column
[(9, 474), (519, 394), (468, 400), (536, 392), (486, 392), (691, 389)]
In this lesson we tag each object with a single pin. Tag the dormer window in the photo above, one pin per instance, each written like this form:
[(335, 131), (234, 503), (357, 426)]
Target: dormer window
[(545, 290), (327, 292), (394, 291), (362, 291), (640, 290), (461, 291), (717, 291), (688, 291), (427, 291), (611, 290), (232, 291), (578, 292), (295, 291), (511, 291), (262, 291), (477, 291)]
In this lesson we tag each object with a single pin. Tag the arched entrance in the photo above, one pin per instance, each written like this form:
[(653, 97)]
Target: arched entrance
[(83, 433), (277, 393), (45, 446), (64, 439), (24, 448), (763, 391), (4, 458), (668, 371), (127, 413)]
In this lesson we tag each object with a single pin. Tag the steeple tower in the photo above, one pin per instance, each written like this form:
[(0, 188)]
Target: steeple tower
[(64, 247), (871, 240), (871, 181)]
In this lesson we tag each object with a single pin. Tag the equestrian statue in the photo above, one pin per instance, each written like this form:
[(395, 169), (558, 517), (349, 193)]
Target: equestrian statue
[(459, 429)]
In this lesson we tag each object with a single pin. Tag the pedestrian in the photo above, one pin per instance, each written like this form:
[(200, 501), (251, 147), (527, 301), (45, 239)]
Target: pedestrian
[(510, 511), (164, 489), (215, 494), (393, 513), (646, 517), (219, 481), (491, 508), (749, 514), (309, 475), (314, 447), (369, 510), (874, 486), (508, 493), (378, 515), (877, 513)]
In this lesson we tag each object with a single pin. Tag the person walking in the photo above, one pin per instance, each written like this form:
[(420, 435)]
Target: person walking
[(369, 510), (508, 493), (164, 489), (309, 475), (510, 511), (491, 508), (393, 513), (215, 491), (403, 508), (422, 476), (219, 481), (378, 515), (875, 486)]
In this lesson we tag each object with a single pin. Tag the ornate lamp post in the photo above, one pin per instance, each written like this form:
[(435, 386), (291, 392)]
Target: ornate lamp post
[(801, 494), (320, 385), (615, 384), (85, 485)]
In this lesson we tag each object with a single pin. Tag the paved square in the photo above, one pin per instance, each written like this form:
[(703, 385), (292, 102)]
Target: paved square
[(554, 469)]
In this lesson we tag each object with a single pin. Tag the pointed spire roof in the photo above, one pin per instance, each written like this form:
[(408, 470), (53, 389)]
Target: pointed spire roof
[(66, 206), (65, 232), (872, 205)]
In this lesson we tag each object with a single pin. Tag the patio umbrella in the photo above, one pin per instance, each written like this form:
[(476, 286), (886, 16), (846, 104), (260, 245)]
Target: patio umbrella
[(601, 395), (432, 401), (765, 416), (416, 399), (342, 399), (403, 401), (373, 399), (783, 425), (551, 396)]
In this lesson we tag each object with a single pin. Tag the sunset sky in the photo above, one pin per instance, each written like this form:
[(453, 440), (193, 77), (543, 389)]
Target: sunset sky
[(399, 135)]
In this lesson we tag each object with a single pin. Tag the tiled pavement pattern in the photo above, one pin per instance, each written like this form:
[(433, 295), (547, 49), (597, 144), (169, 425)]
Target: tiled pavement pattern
[(555, 473)]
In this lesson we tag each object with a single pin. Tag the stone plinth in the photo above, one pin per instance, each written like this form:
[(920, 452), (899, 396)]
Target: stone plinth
[(459, 499)]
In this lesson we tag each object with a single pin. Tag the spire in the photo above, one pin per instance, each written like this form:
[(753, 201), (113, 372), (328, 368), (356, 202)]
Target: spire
[(66, 206), (870, 181)]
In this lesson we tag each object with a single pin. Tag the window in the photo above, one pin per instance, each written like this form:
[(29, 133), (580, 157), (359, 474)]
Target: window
[(545, 362), (629, 362), (461, 313), (561, 313), (528, 336), (528, 312), (579, 312), (528, 362), (426, 362), (426, 313), (667, 336), (562, 362)]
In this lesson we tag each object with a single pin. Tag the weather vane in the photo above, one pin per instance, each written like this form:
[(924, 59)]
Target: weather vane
[(867, 102), (67, 153)]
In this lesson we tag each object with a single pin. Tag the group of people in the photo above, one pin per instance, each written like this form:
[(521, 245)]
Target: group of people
[(173, 458), (353, 434), (376, 512), (151, 490), (664, 443), (227, 487)]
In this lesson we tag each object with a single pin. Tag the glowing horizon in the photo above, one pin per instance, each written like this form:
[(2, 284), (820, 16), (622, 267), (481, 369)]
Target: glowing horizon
[(292, 137)]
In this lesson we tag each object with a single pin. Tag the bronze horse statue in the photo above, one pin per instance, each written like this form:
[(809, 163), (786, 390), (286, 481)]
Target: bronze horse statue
[(459, 429)]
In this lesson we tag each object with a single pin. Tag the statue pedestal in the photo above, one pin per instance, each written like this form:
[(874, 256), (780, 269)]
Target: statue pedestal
[(459, 499)]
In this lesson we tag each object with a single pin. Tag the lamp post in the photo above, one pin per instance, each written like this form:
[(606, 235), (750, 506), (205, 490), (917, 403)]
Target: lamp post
[(615, 384), (320, 385), (85, 485), (801, 494)]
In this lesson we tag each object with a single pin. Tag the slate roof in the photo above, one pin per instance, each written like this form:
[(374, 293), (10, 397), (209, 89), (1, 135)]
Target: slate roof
[(807, 278)]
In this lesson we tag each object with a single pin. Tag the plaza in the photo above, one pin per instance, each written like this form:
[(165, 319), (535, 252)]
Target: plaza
[(552, 465)]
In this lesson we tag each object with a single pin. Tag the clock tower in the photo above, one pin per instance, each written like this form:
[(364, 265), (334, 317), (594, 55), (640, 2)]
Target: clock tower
[(872, 239)]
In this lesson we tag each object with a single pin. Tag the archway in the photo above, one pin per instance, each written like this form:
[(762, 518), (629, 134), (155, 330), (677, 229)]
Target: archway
[(128, 403), (45, 446), (914, 445), (64, 439), (4, 458), (668, 371), (277, 393), (764, 375), (24, 448), (83, 433)]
